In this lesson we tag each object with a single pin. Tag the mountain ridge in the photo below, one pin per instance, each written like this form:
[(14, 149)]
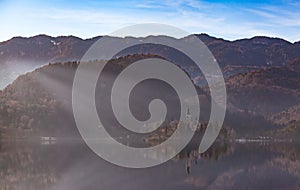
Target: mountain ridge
[(202, 35)]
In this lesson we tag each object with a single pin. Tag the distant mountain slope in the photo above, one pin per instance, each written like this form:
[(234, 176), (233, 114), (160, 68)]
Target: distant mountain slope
[(257, 51), (43, 48), (19, 55), (266, 92)]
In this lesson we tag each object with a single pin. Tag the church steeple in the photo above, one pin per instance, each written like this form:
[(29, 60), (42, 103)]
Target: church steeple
[(188, 114)]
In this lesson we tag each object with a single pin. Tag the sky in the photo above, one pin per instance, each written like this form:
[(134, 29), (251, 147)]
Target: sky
[(229, 19)]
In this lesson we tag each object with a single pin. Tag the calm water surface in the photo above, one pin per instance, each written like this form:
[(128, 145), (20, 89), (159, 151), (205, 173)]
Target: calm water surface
[(73, 166)]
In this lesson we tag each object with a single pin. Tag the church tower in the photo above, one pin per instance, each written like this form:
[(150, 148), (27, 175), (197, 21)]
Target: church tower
[(188, 116)]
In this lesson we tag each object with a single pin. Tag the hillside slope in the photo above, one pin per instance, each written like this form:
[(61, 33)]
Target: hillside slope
[(272, 92)]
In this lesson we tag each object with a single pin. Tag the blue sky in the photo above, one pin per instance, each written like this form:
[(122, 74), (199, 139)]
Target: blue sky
[(226, 19)]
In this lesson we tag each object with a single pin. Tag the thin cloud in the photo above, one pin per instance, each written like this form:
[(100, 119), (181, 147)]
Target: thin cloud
[(277, 16), (261, 13)]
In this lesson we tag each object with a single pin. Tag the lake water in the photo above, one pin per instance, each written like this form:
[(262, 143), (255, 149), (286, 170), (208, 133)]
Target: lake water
[(72, 165)]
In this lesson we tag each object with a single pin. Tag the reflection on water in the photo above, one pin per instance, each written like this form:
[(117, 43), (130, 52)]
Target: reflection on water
[(226, 165)]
